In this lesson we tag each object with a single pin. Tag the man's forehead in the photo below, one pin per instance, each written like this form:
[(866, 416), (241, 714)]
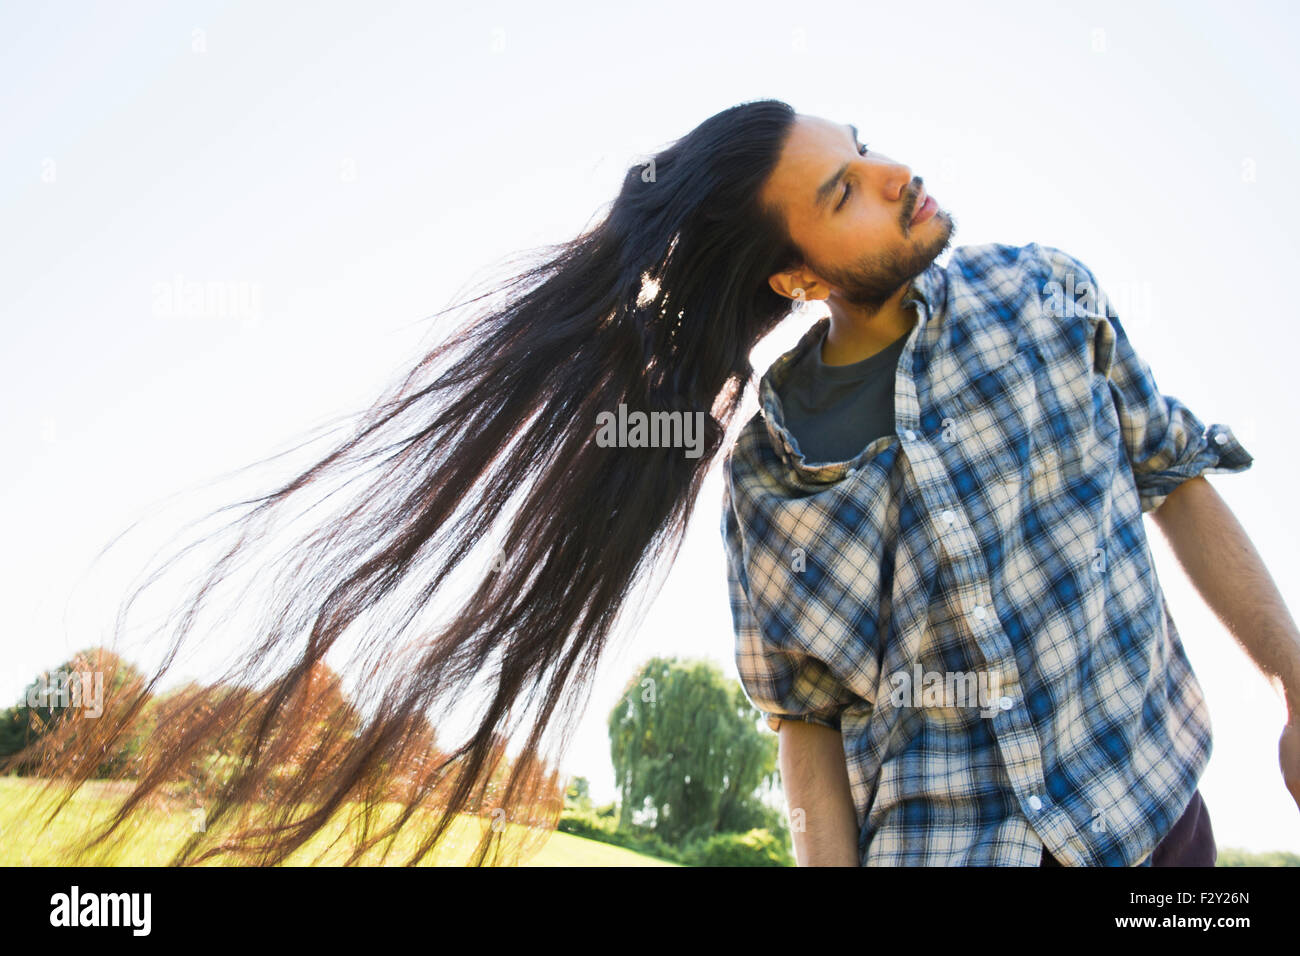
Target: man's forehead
[(808, 171), (823, 131)]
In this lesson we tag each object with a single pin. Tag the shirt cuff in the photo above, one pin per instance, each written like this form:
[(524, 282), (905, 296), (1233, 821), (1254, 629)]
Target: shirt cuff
[(1220, 453), (774, 720)]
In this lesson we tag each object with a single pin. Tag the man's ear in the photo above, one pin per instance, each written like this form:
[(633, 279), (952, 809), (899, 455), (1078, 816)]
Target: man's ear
[(796, 286), (780, 283)]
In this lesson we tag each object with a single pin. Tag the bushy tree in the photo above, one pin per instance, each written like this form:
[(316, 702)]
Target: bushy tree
[(578, 796), (688, 752), (75, 690)]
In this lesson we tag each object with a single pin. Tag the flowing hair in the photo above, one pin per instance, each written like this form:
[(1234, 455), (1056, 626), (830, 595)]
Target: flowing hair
[(657, 307)]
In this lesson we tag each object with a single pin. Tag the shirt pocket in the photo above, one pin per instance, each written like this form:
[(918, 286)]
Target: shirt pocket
[(995, 417), (1075, 433)]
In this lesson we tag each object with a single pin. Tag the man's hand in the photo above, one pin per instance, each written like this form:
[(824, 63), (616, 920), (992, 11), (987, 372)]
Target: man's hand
[(1288, 756)]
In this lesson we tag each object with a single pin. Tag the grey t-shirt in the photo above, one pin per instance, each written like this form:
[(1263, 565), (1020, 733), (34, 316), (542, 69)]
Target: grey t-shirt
[(835, 411)]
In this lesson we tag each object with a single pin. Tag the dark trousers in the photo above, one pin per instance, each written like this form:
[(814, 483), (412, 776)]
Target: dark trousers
[(1189, 843)]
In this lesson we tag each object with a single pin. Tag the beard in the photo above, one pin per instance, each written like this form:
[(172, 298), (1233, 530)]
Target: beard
[(876, 276)]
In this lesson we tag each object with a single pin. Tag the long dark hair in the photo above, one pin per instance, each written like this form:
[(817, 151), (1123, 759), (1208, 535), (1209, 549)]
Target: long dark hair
[(656, 308)]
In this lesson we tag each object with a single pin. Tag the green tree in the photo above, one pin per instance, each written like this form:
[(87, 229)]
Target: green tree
[(78, 688), (578, 796), (688, 751)]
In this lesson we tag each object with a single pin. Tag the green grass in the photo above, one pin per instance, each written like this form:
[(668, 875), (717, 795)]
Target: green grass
[(1234, 857), (159, 833)]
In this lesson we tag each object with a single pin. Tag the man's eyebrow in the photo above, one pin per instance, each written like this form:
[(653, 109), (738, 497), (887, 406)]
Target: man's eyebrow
[(827, 188)]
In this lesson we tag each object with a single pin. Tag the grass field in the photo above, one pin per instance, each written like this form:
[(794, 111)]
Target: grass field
[(159, 833)]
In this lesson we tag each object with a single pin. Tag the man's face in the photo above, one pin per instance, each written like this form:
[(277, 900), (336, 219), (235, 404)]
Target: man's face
[(851, 214)]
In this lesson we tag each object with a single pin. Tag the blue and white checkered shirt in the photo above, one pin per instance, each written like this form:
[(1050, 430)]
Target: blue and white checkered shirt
[(971, 600)]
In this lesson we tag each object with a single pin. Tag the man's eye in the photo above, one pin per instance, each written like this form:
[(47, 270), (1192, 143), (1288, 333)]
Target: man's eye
[(848, 186)]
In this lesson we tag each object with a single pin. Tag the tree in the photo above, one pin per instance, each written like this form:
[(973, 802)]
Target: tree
[(578, 795), (687, 748), (57, 700)]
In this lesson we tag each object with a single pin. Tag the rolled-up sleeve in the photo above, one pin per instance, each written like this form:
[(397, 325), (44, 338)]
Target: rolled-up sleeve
[(782, 682), (1165, 442)]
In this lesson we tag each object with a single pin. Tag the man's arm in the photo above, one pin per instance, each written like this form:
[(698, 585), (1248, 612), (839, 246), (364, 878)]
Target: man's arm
[(1221, 562), (816, 781)]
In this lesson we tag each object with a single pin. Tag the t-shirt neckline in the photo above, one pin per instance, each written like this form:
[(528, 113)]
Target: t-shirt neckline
[(888, 356)]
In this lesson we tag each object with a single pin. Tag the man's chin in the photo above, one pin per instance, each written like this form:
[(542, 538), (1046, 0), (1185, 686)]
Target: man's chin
[(948, 224), (936, 246)]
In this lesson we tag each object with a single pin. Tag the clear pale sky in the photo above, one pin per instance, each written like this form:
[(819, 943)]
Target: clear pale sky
[(354, 165)]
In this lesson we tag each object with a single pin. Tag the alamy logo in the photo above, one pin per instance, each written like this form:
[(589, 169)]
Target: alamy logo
[(948, 689), (64, 689), (654, 430), (1077, 297), (1075, 300), (102, 909)]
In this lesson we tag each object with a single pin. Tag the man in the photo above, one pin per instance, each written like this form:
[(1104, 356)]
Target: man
[(943, 594)]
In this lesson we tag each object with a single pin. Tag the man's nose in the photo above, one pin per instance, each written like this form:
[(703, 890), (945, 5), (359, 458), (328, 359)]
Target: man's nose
[(894, 178)]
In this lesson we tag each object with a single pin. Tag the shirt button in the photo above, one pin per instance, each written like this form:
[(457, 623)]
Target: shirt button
[(909, 434), (1221, 438), (980, 612), (948, 516), (1035, 803), (1005, 703), (850, 473)]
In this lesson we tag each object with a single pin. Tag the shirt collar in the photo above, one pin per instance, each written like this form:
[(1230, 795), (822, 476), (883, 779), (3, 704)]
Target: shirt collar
[(923, 290)]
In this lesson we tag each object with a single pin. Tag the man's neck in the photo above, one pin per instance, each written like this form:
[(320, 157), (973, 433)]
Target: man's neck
[(856, 334)]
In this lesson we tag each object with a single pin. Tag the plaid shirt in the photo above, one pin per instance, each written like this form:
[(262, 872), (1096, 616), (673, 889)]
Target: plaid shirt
[(971, 600)]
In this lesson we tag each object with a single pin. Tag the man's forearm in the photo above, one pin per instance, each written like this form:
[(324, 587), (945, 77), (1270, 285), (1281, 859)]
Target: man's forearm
[(823, 820), (1221, 562)]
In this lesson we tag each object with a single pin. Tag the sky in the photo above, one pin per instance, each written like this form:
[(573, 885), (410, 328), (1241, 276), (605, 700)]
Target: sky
[(334, 173)]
